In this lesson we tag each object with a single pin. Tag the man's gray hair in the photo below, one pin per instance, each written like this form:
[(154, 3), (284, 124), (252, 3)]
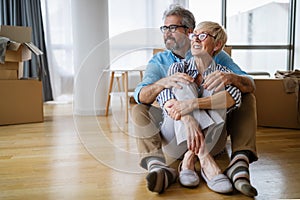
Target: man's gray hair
[(187, 16)]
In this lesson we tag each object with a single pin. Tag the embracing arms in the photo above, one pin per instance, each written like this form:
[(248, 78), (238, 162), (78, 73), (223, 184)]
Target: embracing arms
[(219, 79), (220, 100), (149, 93)]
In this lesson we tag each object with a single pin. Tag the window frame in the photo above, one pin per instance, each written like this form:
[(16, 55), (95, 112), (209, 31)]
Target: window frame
[(290, 47)]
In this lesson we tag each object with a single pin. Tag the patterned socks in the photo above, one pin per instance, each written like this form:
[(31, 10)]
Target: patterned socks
[(238, 173), (160, 177)]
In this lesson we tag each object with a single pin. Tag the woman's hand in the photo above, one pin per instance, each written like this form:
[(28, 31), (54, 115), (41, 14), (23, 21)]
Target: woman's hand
[(182, 108), (195, 136), (168, 105)]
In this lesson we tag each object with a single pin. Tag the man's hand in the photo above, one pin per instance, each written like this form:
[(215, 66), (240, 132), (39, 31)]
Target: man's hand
[(217, 80), (171, 81), (195, 136), (149, 93)]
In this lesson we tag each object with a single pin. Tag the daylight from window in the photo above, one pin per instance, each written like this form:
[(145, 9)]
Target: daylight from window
[(247, 23)]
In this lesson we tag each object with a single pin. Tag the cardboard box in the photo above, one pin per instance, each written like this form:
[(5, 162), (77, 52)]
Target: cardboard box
[(21, 101), (20, 46), (275, 107), (20, 55), (17, 66), (8, 74), (11, 65)]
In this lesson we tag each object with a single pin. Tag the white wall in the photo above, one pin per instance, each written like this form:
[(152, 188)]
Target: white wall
[(91, 57)]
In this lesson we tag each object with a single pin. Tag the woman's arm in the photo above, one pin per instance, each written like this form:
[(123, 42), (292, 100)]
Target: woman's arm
[(220, 100)]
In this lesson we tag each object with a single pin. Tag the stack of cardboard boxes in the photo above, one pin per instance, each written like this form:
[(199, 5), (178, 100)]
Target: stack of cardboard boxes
[(275, 106), (21, 101)]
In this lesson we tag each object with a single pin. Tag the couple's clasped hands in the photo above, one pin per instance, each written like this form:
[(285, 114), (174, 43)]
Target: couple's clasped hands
[(176, 109), (180, 110)]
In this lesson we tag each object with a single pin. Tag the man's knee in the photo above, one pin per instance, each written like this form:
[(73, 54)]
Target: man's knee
[(248, 101), (139, 108), (146, 120), (140, 114), (245, 116)]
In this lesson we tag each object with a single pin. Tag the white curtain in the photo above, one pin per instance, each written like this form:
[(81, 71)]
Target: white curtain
[(58, 33)]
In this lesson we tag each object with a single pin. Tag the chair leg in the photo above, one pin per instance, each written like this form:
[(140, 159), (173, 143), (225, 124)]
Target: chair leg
[(119, 84), (141, 75), (126, 96), (111, 82)]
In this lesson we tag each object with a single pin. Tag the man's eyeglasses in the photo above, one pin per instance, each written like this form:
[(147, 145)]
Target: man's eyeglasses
[(171, 28), (201, 36)]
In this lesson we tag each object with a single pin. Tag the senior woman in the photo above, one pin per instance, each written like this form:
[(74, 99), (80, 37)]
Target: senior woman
[(193, 113)]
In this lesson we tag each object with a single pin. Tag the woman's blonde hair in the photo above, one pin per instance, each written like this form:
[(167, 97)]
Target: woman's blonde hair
[(216, 30)]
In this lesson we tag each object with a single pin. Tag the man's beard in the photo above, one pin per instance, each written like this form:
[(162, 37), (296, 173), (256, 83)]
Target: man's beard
[(171, 46)]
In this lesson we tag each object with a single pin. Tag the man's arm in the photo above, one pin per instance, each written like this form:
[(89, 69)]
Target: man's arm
[(238, 78), (219, 79), (149, 93), (244, 83)]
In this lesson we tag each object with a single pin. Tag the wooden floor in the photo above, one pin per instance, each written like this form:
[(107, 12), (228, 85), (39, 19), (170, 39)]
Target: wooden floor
[(72, 157)]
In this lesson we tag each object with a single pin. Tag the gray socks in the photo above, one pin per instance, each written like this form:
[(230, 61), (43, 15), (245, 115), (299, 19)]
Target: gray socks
[(238, 172), (160, 177)]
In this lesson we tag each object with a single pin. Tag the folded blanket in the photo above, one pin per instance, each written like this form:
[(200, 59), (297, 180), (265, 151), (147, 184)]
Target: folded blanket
[(3, 44), (291, 82)]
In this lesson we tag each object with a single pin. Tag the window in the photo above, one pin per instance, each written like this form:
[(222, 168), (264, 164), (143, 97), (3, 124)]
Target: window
[(257, 25), (261, 40), (259, 32), (131, 32), (147, 14)]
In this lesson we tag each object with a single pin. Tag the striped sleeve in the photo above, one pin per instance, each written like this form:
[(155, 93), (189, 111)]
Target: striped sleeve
[(234, 92), (182, 67), (187, 67), (176, 67), (167, 94), (164, 96)]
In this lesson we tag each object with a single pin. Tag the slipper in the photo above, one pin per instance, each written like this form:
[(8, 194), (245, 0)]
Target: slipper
[(220, 183), (188, 178)]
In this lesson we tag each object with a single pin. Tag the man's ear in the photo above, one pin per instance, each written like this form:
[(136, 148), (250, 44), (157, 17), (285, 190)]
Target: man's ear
[(190, 30)]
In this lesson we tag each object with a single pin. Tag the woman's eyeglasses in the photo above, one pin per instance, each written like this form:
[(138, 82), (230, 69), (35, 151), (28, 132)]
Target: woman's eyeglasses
[(201, 36)]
